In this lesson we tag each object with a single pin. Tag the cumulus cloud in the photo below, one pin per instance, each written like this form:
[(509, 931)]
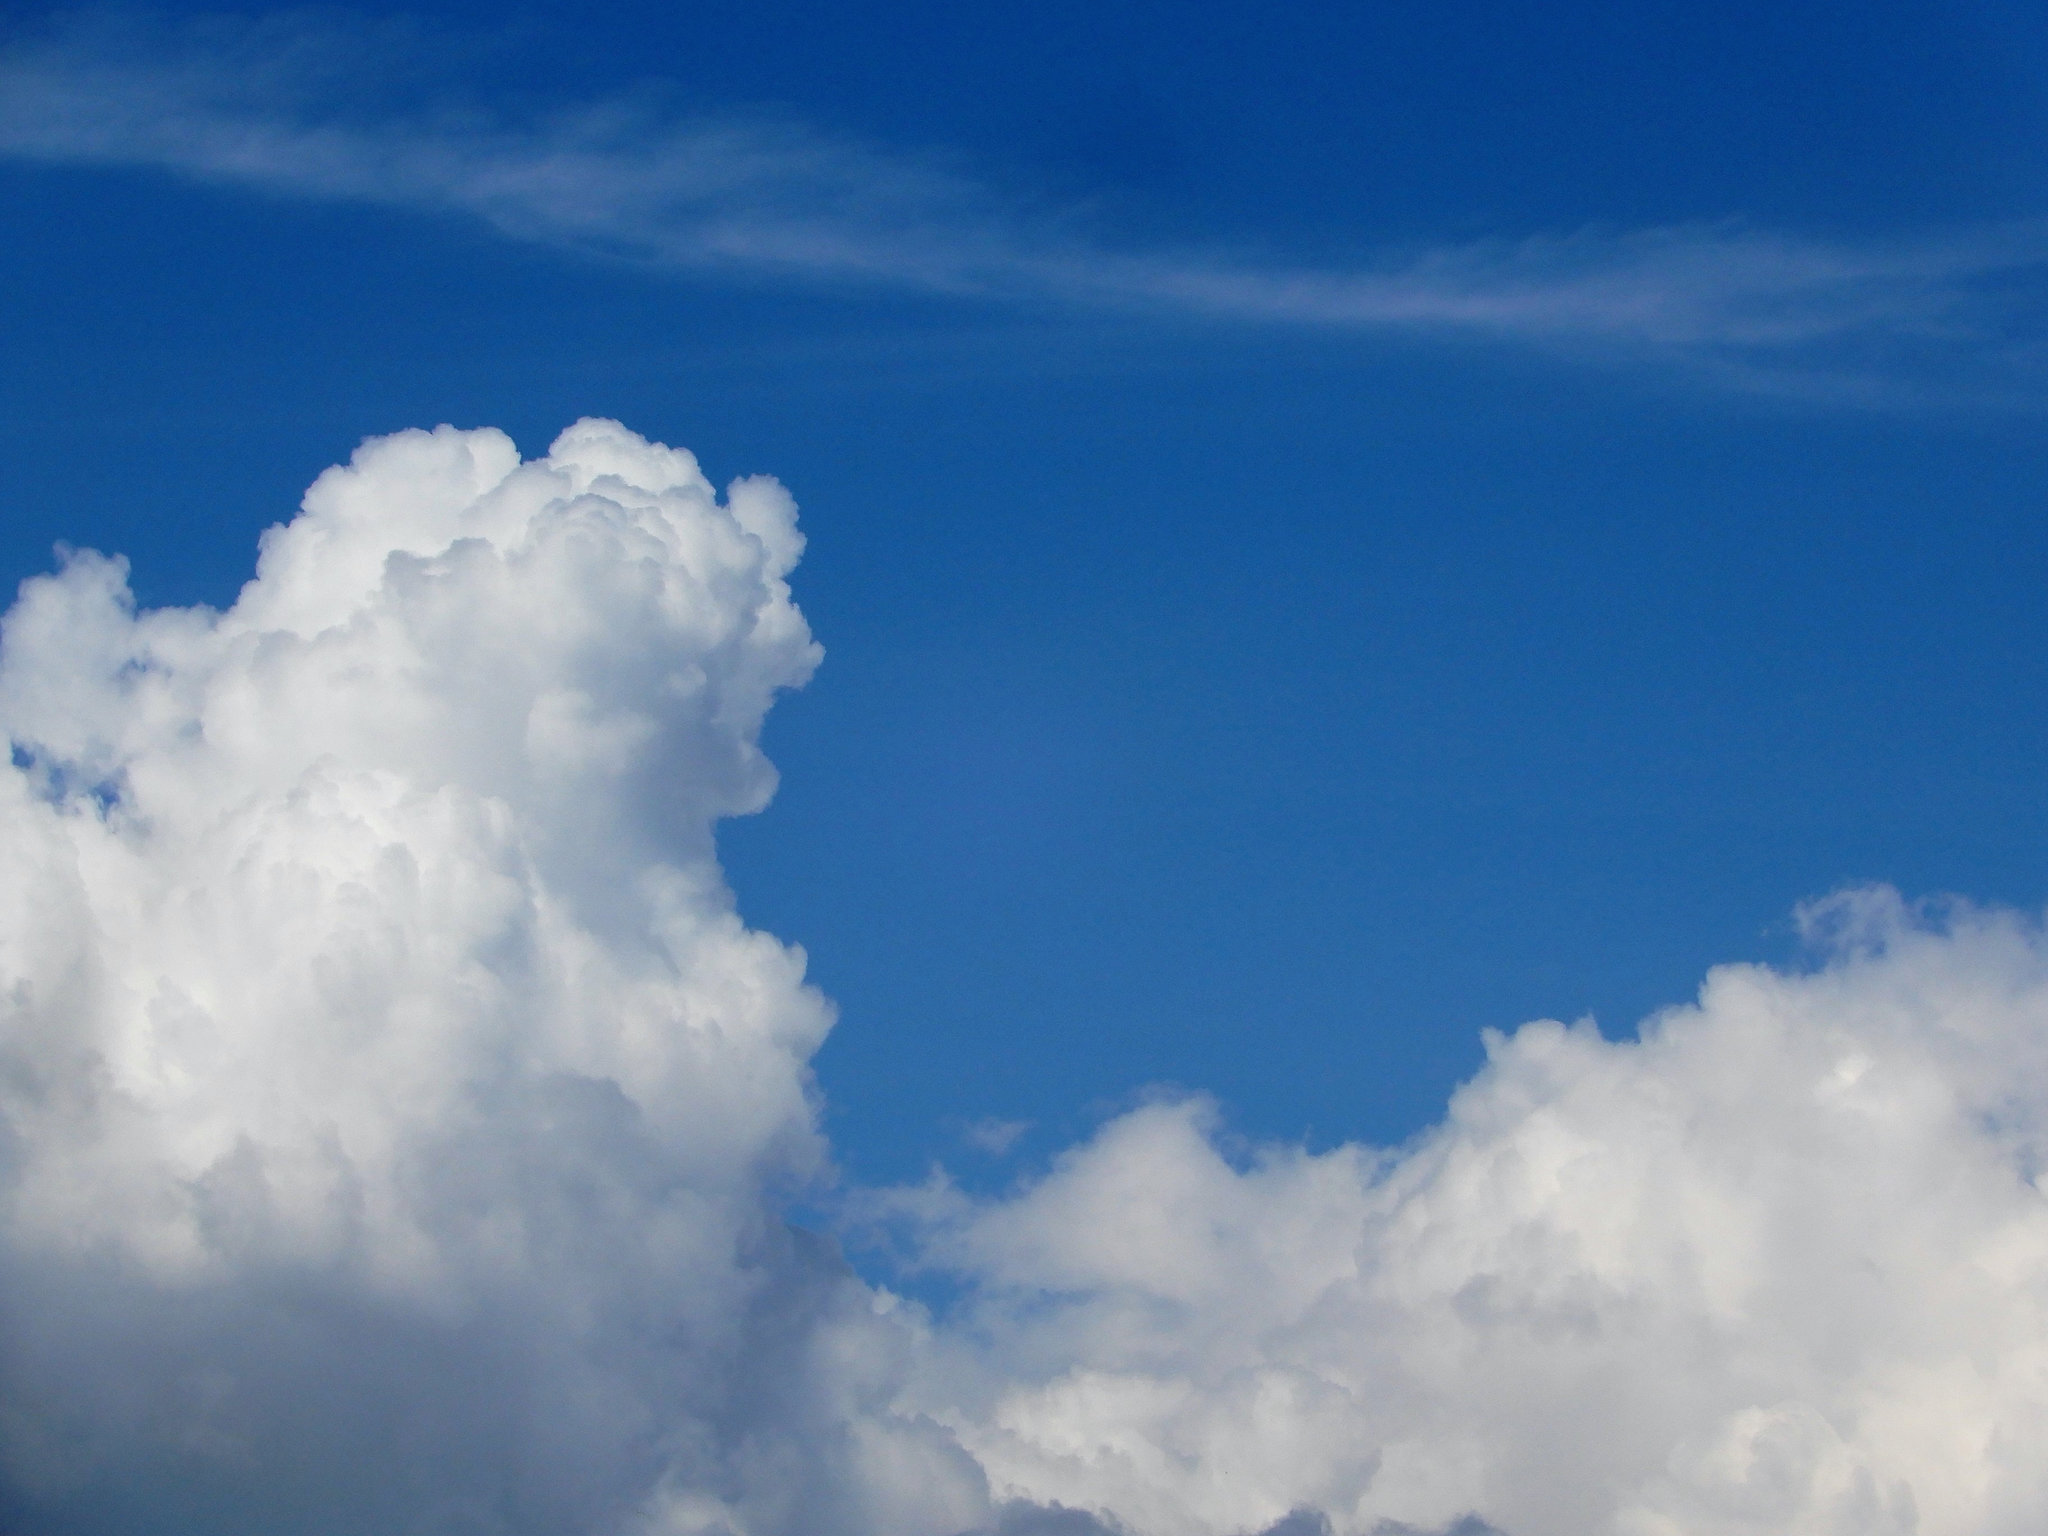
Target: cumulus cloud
[(1780, 1264), (392, 1106), (397, 1122), (293, 108)]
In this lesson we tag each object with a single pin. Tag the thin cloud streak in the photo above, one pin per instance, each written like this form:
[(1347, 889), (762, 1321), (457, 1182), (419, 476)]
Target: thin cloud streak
[(1950, 316)]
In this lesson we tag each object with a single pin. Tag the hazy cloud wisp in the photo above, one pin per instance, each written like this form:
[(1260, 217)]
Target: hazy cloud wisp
[(267, 108)]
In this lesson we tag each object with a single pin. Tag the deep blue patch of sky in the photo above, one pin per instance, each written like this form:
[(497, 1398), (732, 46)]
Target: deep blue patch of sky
[(1253, 711)]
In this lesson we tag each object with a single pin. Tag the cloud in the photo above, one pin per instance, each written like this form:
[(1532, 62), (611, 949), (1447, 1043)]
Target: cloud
[(397, 1124), (993, 1136), (393, 1110), (290, 108), (1780, 1264)]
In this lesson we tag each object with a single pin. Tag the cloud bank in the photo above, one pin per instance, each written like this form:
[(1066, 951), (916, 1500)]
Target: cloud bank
[(1779, 1265), (287, 108), (397, 1124)]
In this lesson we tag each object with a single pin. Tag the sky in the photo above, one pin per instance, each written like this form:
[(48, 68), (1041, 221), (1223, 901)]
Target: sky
[(1328, 533)]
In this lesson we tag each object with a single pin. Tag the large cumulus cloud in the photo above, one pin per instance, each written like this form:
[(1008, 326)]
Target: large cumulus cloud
[(396, 1121), (394, 1106)]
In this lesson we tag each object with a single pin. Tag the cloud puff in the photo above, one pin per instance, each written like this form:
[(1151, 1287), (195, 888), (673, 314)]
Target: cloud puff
[(392, 1107), (1780, 1264), (396, 1122), (290, 107)]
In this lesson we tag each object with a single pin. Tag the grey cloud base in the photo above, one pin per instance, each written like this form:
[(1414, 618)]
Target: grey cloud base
[(1022, 1518), (396, 1121)]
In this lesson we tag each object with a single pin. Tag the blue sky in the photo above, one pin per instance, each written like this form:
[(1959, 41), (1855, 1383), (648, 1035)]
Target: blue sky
[(1330, 531)]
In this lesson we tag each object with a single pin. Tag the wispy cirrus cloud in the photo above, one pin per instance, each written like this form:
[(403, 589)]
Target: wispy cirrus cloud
[(278, 108)]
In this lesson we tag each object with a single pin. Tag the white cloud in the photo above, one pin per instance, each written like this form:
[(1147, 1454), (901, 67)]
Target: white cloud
[(993, 1136), (1781, 1265), (286, 107), (396, 1121), (392, 1106)]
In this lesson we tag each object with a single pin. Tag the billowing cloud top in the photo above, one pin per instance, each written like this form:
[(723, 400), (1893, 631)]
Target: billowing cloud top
[(396, 1121), (1778, 1266), (390, 1091)]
